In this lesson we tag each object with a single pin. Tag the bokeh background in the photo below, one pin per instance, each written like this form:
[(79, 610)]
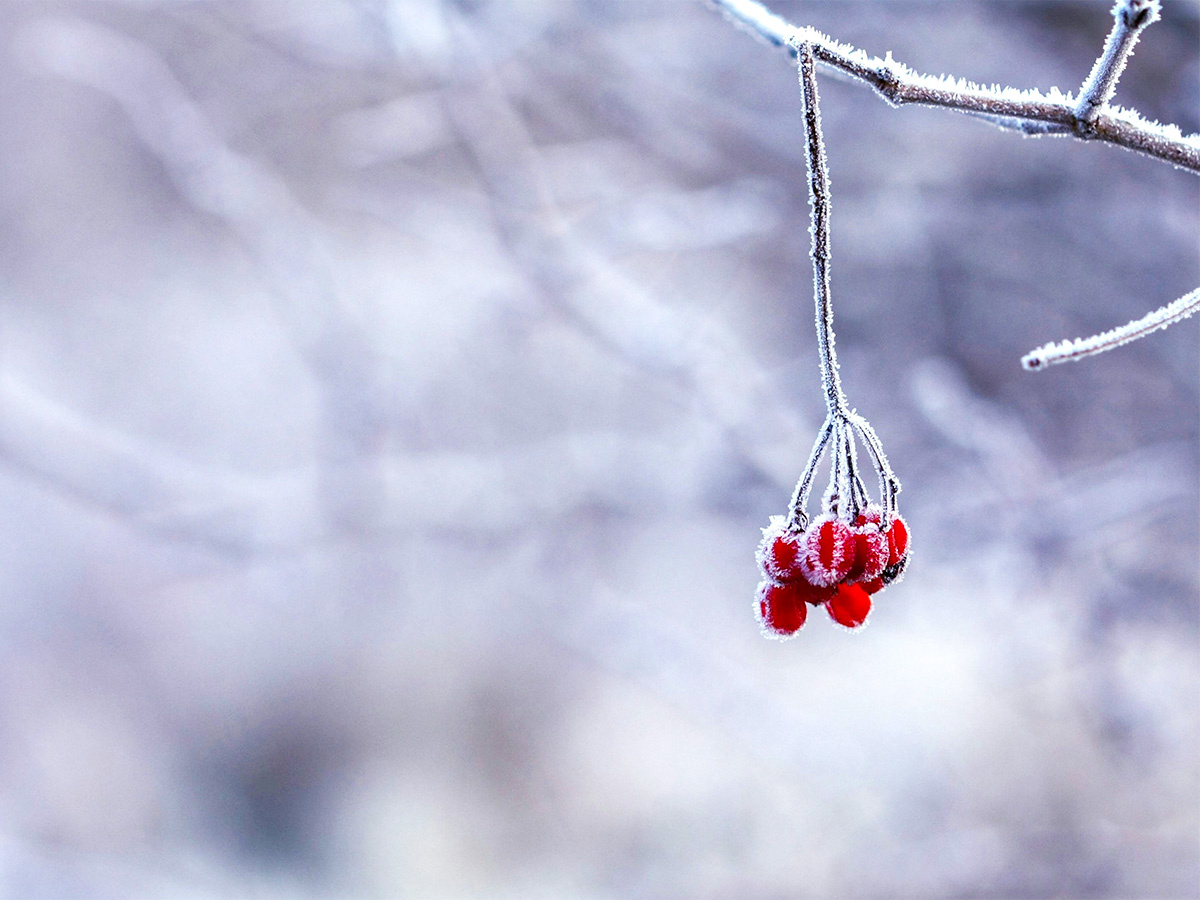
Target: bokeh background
[(391, 395)]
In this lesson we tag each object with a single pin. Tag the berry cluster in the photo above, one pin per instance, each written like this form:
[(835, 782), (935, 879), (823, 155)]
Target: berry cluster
[(855, 547), (834, 562)]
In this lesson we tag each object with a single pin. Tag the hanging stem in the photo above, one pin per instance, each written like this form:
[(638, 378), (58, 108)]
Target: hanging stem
[(846, 496), (818, 195)]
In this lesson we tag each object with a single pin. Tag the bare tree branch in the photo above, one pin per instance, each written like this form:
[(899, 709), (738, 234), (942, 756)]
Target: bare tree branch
[(1028, 111), (1053, 353)]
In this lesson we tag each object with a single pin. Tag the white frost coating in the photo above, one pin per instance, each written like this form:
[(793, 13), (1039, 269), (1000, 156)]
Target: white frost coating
[(1131, 17), (760, 599), (1052, 353), (767, 563), (1167, 132), (1028, 111), (871, 543), (817, 570)]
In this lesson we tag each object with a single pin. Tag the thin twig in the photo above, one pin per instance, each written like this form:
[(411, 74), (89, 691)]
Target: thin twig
[(796, 514), (889, 484), (1028, 111), (856, 491), (818, 187), (1053, 353)]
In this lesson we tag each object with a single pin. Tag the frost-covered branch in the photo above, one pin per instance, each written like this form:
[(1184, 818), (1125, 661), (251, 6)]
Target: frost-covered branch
[(1028, 111), (1130, 17), (1065, 351), (1090, 117), (818, 195)]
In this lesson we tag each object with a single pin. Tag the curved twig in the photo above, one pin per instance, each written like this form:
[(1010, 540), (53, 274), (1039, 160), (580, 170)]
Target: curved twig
[(1065, 351)]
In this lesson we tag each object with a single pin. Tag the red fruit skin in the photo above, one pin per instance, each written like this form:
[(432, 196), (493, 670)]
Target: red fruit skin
[(828, 551), (779, 553), (850, 605), (870, 553), (897, 540), (897, 543), (814, 594), (781, 609), (870, 514), (897, 551), (874, 586)]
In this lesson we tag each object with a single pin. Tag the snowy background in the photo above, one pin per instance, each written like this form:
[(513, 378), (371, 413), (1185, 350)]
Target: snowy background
[(391, 395)]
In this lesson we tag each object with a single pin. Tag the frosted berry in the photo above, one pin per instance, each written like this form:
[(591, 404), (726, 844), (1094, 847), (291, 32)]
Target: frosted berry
[(828, 551), (813, 594), (870, 553), (869, 514), (779, 553), (897, 560), (781, 609), (850, 605), (897, 541)]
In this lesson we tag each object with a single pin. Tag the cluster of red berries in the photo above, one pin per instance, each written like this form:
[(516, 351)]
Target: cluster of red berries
[(833, 562)]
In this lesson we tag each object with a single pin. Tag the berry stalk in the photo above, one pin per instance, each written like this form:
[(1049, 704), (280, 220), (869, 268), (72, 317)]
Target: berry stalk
[(818, 195)]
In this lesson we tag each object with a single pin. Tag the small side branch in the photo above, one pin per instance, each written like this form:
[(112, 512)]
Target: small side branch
[(1027, 111), (1130, 18), (1053, 353)]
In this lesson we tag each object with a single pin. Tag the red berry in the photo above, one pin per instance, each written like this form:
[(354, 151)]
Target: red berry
[(897, 551), (779, 553), (869, 514), (828, 551), (814, 594), (781, 609), (897, 540), (874, 586), (849, 605), (870, 553)]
